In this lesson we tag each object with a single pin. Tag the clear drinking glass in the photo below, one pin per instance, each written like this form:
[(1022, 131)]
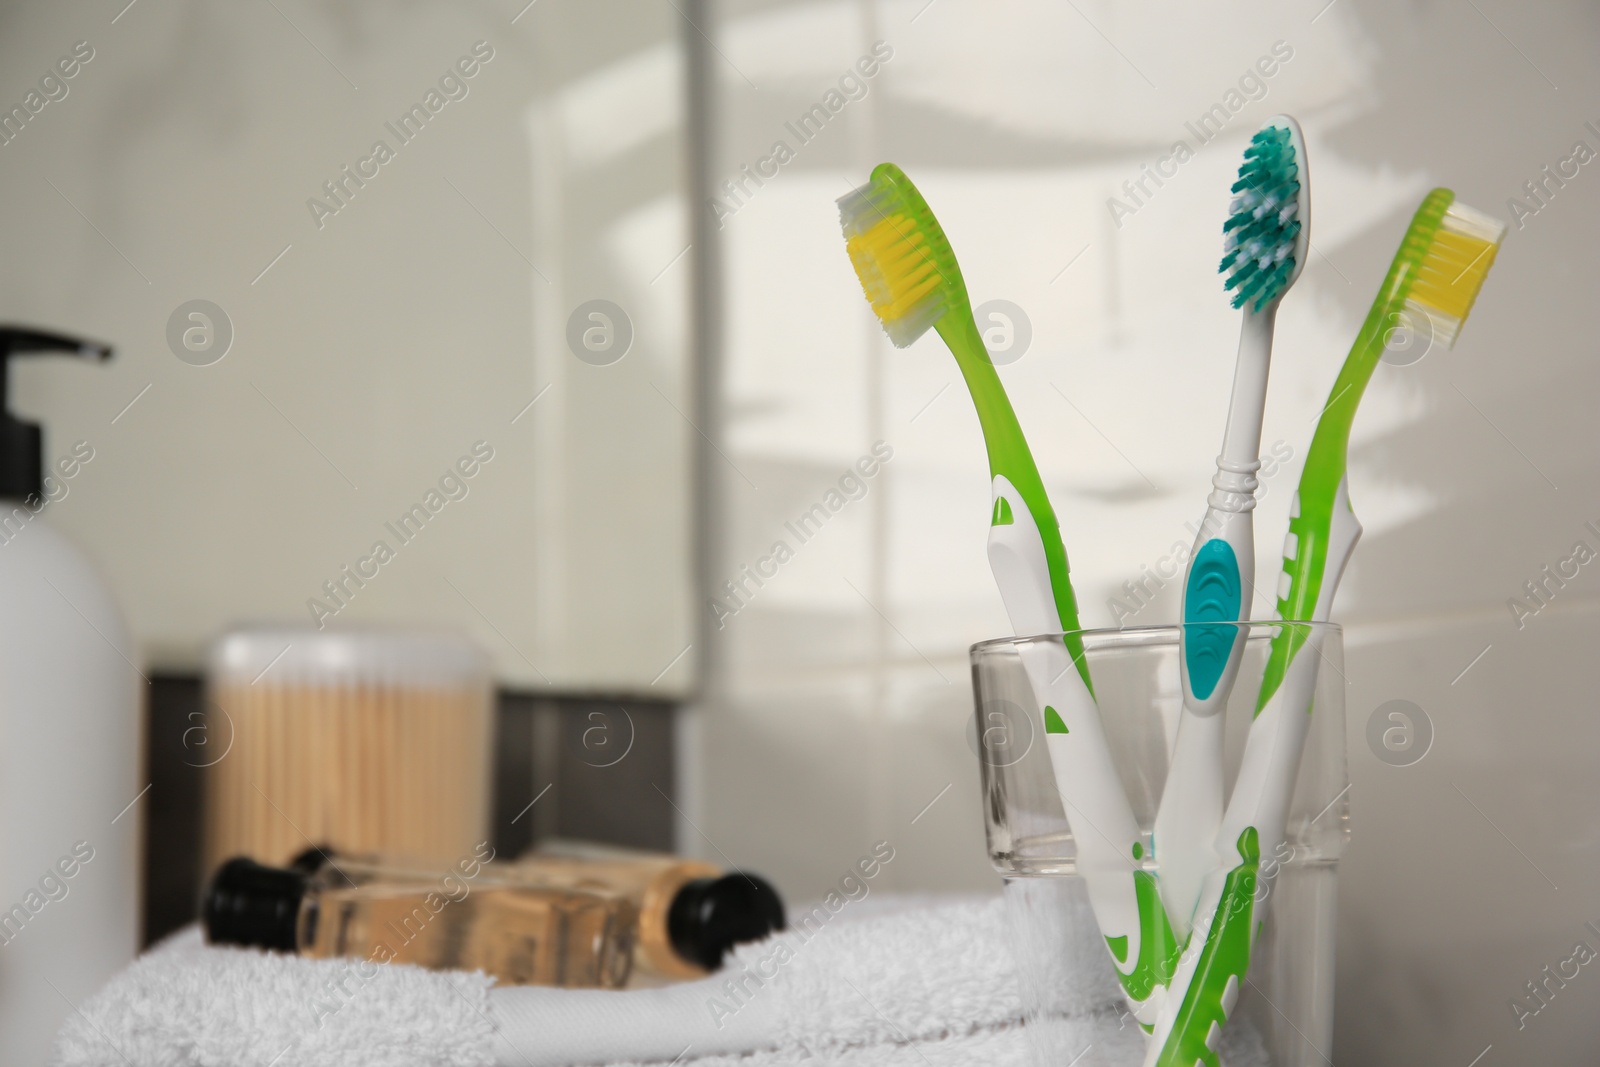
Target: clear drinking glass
[(1286, 1006)]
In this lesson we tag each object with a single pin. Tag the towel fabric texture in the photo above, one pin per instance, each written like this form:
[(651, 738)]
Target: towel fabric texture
[(917, 983), (187, 1004)]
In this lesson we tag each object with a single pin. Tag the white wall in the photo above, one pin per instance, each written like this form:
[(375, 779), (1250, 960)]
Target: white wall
[(419, 319), (840, 709)]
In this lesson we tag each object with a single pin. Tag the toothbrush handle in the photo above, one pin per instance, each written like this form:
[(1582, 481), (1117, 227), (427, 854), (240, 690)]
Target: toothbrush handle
[(1030, 567), (1228, 917), (1233, 899), (1125, 900), (1220, 581), (1011, 460), (1217, 591), (1272, 750), (1242, 443), (1206, 986), (1316, 550), (1186, 826)]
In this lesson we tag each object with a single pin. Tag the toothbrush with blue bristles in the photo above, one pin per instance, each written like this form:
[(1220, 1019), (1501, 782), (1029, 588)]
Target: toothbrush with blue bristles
[(910, 275), (1266, 238), (1434, 279)]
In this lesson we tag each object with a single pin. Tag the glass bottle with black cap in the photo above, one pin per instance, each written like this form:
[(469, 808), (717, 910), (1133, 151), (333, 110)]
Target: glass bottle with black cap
[(688, 914), (691, 913), (398, 913)]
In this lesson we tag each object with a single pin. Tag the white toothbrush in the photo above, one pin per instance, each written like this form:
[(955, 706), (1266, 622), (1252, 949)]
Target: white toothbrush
[(1266, 238)]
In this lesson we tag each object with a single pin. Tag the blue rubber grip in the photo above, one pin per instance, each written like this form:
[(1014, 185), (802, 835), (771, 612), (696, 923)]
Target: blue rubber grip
[(1212, 596)]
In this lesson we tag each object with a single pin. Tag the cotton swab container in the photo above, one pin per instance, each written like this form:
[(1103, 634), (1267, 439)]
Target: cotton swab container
[(371, 741), (1285, 1008)]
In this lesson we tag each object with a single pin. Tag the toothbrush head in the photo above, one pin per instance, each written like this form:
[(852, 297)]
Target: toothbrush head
[(901, 254), (1448, 262), (1268, 231)]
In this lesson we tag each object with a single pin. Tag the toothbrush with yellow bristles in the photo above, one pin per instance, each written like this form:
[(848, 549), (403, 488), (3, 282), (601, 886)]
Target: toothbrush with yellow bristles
[(1434, 279), (912, 281)]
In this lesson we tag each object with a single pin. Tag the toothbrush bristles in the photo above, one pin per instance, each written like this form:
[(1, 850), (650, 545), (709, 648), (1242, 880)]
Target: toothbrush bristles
[(1453, 270), (897, 248), (1263, 220)]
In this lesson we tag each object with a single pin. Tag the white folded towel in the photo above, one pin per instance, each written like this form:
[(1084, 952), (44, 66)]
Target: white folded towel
[(187, 1004), (921, 985)]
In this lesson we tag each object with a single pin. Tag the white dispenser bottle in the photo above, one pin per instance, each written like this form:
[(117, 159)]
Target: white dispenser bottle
[(70, 744)]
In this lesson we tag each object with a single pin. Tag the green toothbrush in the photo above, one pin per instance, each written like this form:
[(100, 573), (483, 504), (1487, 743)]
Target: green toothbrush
[(912, 281)]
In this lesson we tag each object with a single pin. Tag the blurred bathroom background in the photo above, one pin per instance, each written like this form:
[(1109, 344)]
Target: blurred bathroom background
[(595, 257)]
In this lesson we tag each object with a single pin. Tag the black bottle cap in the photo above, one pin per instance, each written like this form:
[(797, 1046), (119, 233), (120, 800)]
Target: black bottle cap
[(711, 915), (22, 443), (311, 860), (249, 903)]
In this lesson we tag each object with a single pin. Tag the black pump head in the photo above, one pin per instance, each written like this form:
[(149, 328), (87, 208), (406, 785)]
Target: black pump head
[(22, 443)]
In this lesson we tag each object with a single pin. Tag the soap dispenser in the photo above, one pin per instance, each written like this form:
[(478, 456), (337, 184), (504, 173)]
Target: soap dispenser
[(70, 736)]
